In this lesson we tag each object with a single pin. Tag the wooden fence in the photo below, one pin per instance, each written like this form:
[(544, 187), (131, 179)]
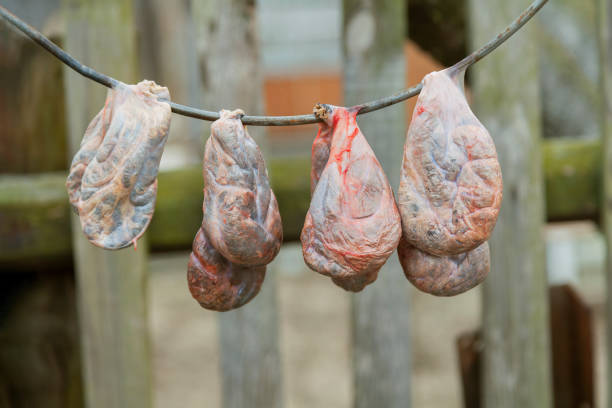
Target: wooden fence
[(555, 179)]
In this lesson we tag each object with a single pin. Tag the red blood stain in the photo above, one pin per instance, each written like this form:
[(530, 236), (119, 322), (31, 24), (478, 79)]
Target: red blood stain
[(420, 110)]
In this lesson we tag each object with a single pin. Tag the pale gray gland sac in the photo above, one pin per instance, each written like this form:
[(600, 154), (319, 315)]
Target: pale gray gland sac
[(446, 275), (353, 224), (241, 216), (450, 190), (112, 183)]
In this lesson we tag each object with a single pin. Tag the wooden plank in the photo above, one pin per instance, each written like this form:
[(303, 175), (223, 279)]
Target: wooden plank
[(34, 211), (568, 68), (604, 14), (469, 350), (374, 65), (34, 219), (516, 369), (112, 285), (33, 131), (571, 325), (250, 356), (572, 175), (39, 345), (166, 36), (571, 332)]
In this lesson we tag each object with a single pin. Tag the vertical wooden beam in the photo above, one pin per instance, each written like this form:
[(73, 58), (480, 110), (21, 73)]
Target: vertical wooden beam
[(33, 131), (229, 63), (111, 285), (571, 328), (168, 55), (515, 309), (605, 63), (374, 65)]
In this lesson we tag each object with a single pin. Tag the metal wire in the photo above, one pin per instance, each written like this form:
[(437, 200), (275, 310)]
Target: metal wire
[(184, 110)]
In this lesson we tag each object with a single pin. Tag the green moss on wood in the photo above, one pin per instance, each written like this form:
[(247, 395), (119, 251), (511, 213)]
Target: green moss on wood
[(35, 223), (34, 217), (290, 180), (572, 172), (178, 211)]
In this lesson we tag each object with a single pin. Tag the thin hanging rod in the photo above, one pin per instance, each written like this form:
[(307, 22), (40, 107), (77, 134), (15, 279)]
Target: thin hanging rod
[(184, 110)]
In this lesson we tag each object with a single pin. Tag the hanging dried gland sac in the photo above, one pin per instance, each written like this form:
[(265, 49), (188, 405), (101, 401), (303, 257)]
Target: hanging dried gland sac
[(353, 224), (451, 185), (241, 215), (446, 275), (112, 183), (241, 228)]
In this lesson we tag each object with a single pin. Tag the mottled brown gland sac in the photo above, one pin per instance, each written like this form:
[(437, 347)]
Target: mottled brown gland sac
[(241, 227), (352, 225), (218, 284), (450, 191), (445, 275), (241, 216), (112, 183)]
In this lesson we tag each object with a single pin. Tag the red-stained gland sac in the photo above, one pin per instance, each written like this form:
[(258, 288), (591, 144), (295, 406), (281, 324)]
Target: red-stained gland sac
[(112, 183), (353, 224), (241, 227)]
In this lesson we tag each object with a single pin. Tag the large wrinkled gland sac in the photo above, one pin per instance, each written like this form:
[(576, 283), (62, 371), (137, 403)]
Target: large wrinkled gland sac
[(241, 227), (112, 183), (241, 216), (445, 275), (450, 190), (216, 283)]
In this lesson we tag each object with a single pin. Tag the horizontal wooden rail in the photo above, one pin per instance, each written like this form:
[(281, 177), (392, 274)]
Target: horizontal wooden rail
[(35, 224)]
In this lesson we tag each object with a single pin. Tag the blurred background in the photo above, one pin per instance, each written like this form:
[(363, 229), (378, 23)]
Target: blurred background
[(83, 327)]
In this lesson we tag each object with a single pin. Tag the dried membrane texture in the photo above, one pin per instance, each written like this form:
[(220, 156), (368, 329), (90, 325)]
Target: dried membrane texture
[(451, 185), (218, 284), (241, 229), (320, 154), (112, 183), (241, 216), (444, 275), (353, 224)]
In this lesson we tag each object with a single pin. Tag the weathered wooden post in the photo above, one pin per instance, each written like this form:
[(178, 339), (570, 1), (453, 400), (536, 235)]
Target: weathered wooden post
[(32, 135), (373, 38), (515, 309), (111, 285), (605, 63), (166, 36), (250, 357)]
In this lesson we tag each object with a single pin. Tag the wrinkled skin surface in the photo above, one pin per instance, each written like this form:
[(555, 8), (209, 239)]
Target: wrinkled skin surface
[(353, 224), (112, 183), (320, 154), (446, 275), (241, 228), (241, 215), (218, 284), (450, 191)]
